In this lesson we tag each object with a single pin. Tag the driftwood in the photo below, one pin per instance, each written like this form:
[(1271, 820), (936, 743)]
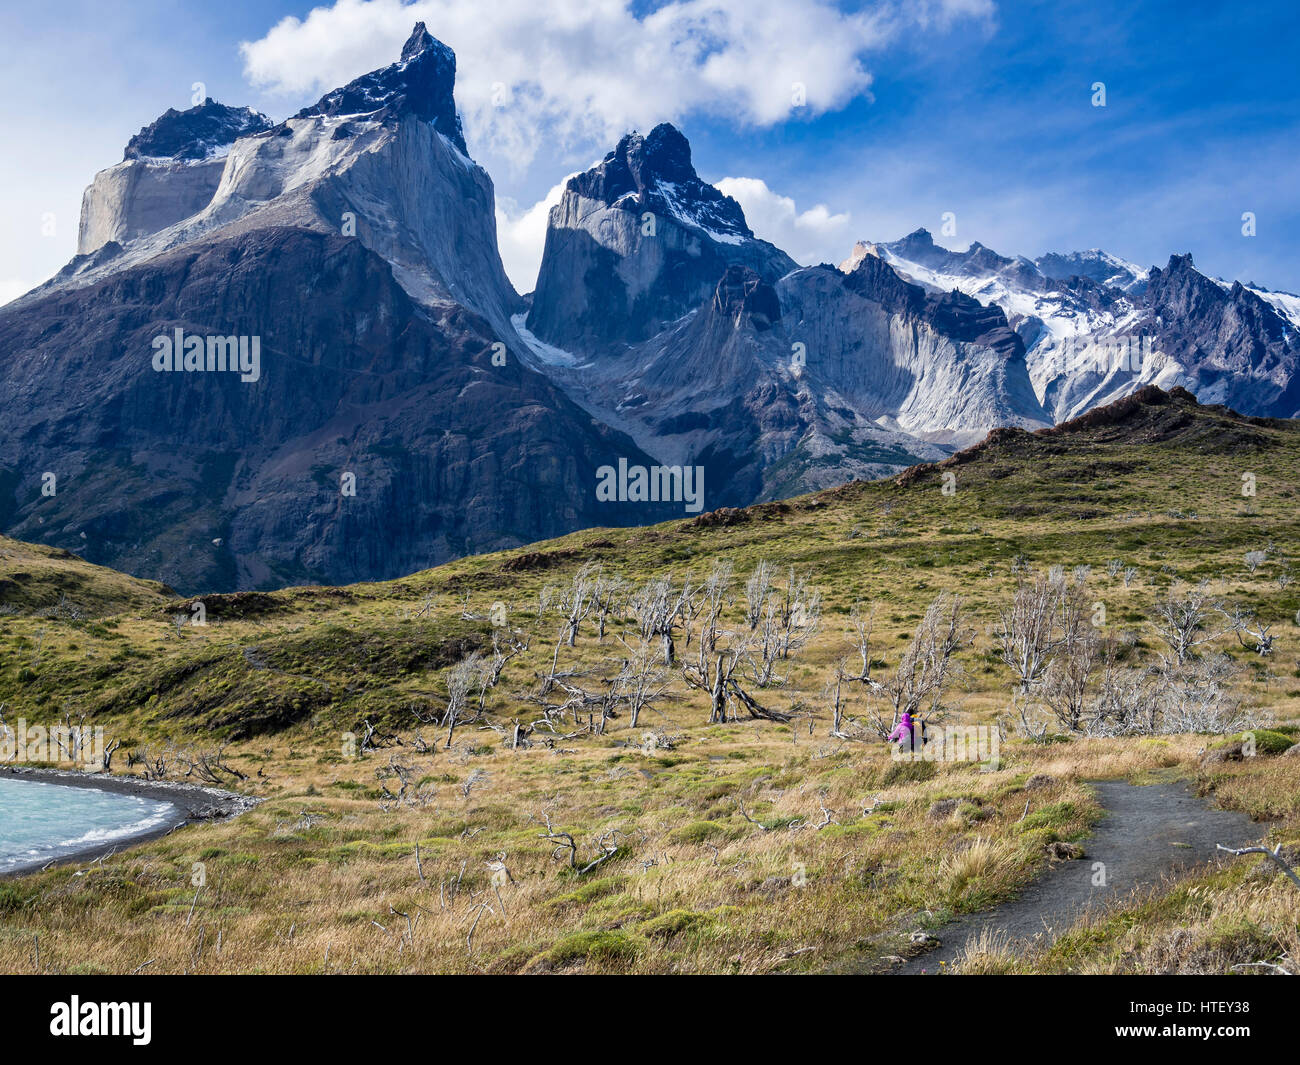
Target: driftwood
[(1274, 855)]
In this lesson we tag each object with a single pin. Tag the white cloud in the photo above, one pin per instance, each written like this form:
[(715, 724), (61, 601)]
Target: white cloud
[(573, 74), (521, 236), (811, 236)]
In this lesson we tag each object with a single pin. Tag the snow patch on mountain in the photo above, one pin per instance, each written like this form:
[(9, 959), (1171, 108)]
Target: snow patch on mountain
[(546, 354), (702, 216), (1097, 327), (1071, 328), (1094, 264)]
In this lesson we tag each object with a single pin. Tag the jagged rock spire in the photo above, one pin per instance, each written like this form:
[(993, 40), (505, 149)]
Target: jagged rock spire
[(421, 83)]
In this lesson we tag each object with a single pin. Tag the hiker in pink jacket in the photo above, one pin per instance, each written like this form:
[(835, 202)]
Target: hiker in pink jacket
[(903, 733)]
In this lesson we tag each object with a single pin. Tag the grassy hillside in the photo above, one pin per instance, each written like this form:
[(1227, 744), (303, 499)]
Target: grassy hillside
[(747, 845), (51, 582)]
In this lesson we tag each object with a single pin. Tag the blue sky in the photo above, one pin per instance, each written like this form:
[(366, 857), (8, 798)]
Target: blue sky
[(978, 107)]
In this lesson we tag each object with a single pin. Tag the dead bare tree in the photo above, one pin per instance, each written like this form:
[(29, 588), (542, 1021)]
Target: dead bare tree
[(576, 601), (1197, 696), (71, 739), (786, 622), (916, 686), (372, 739), (154, 763), (692, 604), (717, 676), (1274, 855), (548, 682), (714, 596), (476, 778), (834, 695), (566, 847), (209, 765), (765, 647), (1027, 626), (1181, 619), (1244, 621), (401, 772), (605, 597), (641, 681), (861, 623), (1192, 696), (1126, 700), (798, 608), (757, 588), (1077, 654), (461, 679), (504, 648), (657, 609), (1067, 683)]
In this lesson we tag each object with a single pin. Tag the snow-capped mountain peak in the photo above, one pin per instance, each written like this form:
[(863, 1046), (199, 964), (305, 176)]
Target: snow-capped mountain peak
[(420, 83), (636, 242), (1096, 327), (654, 173), (1094, 264)]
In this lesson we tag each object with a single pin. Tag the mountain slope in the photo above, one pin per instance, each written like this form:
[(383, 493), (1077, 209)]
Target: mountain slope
[(706, 816), (1153, 480), (1097, 328), (407, 406), (659, 312), (382, 159), (356, 253), (635, 243)]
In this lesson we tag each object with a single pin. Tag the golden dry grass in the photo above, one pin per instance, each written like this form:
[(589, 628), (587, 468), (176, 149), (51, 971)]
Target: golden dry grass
[(304, 882)]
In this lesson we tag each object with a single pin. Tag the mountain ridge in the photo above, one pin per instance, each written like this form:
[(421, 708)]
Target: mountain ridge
[(662, 331)]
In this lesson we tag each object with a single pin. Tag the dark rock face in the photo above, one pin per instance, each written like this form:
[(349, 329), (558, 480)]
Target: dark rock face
[(213, 484), (953, 314), (742, 293), (390, 425), (1102, 327), (194, 133), (422, 83), (395, 422), (1240, 351), (874, 279), (712, 347), (636, 242), (655, 174)]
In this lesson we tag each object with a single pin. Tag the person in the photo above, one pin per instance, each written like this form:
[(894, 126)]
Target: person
[(903, 733)]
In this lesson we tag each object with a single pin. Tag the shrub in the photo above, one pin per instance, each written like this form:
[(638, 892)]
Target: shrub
[(696, 832), (11, 899), (599, 947), (1054, 815), (672, 923)]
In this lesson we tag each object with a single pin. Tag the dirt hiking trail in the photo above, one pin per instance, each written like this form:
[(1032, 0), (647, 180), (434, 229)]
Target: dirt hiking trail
[(1148, 832)]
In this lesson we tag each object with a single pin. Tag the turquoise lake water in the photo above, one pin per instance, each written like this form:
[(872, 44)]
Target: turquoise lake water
[(40, 822)]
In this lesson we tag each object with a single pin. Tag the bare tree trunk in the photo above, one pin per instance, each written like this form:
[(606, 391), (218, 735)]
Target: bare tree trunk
[(718, 713)]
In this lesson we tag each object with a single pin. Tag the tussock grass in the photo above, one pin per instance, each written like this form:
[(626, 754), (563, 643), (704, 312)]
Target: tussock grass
[(988, 954)]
